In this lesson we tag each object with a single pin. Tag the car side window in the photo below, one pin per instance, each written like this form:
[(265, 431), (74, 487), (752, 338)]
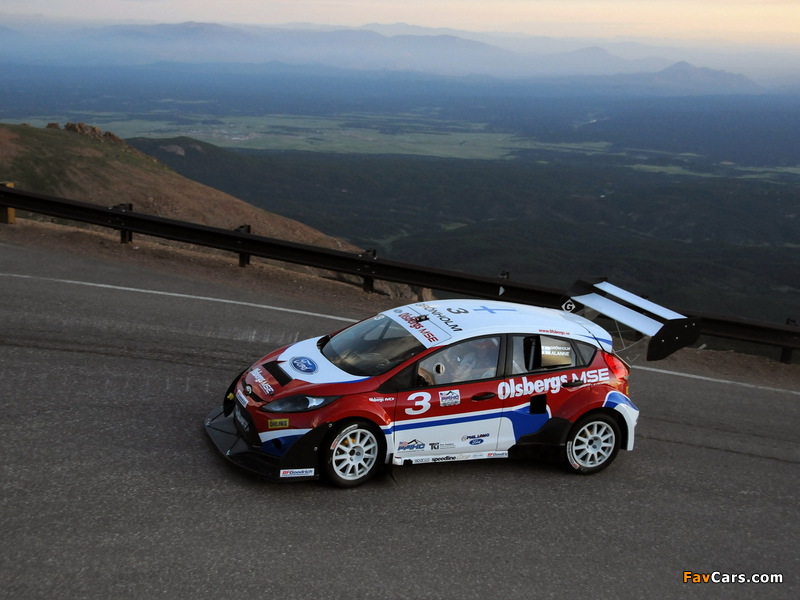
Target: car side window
[(471, 360), (531, 353)]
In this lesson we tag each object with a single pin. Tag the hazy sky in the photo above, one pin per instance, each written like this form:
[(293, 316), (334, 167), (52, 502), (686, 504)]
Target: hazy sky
[(773, 21)]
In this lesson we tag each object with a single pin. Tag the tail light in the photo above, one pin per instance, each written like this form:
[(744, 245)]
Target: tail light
[(618, 369)]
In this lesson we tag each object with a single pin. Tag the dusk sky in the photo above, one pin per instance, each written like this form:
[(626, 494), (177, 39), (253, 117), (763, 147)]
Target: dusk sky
[(760, 21)]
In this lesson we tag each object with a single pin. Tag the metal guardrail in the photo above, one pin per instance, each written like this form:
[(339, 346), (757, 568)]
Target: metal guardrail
[(365, 265)]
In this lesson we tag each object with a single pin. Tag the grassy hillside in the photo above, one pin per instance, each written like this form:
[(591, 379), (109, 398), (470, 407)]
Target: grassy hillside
[(87, 165)]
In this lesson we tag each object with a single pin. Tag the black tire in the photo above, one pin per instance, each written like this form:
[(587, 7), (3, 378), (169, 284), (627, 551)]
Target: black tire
[(592, 444), (353, 454)]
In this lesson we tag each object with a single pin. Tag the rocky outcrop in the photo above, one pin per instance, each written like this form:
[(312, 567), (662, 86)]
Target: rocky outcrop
[(90, 131)]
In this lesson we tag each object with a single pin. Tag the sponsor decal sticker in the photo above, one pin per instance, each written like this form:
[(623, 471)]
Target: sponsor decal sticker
[(441, 445), (278, 423), (447, 458), (478, 436), (261, 380), (242, 398), (303, 364), (475, 442), (553, 331), (449, 398), (446, 321), (559, 350), (412, 446), (382, 399), (297, 472), (592, 376), (414, 324), (513, 388)]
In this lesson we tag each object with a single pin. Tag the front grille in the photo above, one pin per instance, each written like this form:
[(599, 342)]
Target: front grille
[(274, 369)]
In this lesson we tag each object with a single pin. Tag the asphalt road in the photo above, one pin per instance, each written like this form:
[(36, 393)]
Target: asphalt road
[(110, 489)]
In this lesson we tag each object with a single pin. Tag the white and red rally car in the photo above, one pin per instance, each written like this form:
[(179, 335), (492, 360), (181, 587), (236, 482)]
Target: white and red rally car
[(445, 380)]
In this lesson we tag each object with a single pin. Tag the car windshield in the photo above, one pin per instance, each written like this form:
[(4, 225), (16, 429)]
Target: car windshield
[(371, 347)]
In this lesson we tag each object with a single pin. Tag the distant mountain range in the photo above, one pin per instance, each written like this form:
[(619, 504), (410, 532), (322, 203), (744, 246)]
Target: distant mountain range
[(390, 48)]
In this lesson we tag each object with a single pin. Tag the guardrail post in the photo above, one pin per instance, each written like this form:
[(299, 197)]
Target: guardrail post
[(786, 355), (244, 258), (125, 235), (369, 281), (786, 352), (7, 214)]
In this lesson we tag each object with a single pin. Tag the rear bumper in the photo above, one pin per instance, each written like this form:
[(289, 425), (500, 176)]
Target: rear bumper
[(299, 463)]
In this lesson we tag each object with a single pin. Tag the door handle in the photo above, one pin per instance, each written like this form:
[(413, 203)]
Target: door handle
[(484, 396), (571, 384)]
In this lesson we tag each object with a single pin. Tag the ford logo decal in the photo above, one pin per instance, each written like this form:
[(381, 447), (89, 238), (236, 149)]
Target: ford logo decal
[(304, 364), (475, 442)]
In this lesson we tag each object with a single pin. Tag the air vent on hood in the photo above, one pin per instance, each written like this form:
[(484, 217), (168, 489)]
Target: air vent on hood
[(274, 369)]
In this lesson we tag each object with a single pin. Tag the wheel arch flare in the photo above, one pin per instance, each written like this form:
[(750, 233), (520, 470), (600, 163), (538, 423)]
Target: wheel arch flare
[(624, 408)]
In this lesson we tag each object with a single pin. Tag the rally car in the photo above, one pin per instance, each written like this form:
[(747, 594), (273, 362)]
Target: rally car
[(444, 381)]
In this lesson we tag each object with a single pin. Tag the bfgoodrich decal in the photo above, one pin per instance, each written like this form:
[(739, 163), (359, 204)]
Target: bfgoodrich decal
[(297, 472)]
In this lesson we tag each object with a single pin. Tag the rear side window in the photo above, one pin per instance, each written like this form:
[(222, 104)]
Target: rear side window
[(556, 352), (531, 353)]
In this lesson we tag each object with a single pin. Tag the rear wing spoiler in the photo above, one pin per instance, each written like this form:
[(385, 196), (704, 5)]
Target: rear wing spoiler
[(666, 330)]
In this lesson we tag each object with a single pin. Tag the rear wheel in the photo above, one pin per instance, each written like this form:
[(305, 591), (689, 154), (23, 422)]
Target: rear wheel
[(354, 454), (592, 444)]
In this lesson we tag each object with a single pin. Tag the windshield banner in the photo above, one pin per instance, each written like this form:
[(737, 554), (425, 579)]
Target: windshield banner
[(428, 332)]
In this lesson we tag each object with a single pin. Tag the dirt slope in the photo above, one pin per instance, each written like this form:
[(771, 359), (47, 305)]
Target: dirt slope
[(82, 163)]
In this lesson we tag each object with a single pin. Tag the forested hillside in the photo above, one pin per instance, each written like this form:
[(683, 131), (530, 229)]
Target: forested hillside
[(715, 242)]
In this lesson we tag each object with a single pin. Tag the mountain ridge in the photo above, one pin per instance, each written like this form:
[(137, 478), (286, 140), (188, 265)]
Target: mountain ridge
[(445, 52)]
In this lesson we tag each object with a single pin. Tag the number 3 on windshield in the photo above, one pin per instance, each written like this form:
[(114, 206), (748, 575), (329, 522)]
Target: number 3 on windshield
[(422, 402)]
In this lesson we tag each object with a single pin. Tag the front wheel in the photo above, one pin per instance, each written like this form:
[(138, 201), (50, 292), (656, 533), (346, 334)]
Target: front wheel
[(592, 444), (354, 454)]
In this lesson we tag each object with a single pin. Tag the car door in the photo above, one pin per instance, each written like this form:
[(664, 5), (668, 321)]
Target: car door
[(538, 381), (452, 411)]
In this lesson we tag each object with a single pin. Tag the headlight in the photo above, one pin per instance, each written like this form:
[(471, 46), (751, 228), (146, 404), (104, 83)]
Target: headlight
[(297, 403)]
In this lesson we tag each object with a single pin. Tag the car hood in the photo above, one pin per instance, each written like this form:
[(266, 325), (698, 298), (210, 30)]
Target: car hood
[(305, 362)]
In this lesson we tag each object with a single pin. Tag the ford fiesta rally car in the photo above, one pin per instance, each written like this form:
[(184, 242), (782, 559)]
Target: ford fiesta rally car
[(442, 381)]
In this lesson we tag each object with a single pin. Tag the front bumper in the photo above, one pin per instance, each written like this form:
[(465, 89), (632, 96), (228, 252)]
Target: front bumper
[(300, 462)]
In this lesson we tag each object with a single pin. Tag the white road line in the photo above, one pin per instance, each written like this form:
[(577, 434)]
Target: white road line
[(175, 295), (715, 380)]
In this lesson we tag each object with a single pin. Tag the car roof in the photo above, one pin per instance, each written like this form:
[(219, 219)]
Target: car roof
[(445, 322)]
